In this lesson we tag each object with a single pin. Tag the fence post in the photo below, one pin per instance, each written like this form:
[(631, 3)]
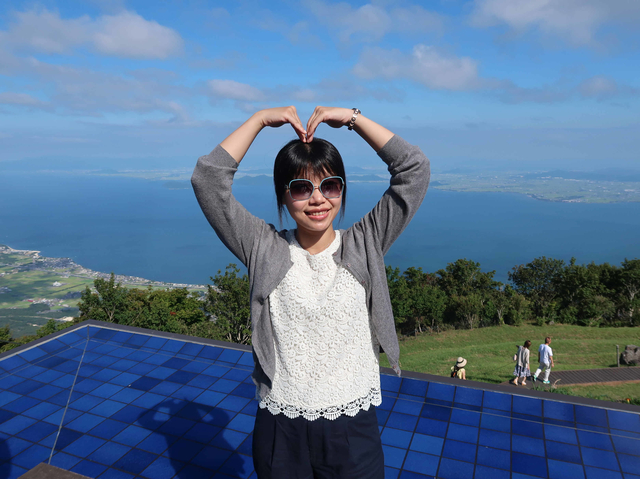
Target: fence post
[(618, 354)]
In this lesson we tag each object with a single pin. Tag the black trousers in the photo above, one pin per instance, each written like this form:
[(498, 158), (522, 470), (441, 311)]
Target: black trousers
[(348, 447)]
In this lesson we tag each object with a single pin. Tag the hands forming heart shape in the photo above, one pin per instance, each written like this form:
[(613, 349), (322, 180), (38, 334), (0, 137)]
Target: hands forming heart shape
[(333, 116)]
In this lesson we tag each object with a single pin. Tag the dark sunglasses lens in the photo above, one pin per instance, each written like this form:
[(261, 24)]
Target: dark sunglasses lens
[(300, 189), (331, 188)]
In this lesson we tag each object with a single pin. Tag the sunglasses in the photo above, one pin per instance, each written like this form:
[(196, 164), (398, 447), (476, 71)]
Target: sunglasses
[(330, 187)]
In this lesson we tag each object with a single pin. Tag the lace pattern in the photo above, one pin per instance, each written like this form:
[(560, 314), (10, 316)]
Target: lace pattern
[(326, 353), (374, 398)]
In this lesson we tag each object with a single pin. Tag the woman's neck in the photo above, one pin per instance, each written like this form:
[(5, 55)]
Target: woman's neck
[(315, 242)]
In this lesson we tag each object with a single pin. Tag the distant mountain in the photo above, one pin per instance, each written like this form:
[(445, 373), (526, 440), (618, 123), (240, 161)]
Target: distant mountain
[(608, 174)]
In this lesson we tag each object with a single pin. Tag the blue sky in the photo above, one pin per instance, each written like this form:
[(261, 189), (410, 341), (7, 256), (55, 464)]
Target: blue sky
[(479, 82)]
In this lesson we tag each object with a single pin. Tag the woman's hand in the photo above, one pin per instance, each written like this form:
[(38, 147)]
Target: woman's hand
[(276, 117), (332, 116)]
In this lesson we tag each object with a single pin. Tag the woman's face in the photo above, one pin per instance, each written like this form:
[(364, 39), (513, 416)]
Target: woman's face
[(315, 214)]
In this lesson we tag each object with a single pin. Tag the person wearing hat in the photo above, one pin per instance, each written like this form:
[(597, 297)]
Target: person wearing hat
[(458, 371)]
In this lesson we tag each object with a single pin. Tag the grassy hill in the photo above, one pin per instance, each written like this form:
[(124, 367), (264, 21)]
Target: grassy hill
[(489, 353)]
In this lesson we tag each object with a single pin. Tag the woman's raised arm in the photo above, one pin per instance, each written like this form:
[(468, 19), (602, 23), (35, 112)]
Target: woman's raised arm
[(237, 143), (376, 135)]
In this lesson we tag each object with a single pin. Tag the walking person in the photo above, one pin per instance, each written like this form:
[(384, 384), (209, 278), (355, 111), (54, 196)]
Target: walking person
[(545, 358), (320, 306), (522, 366)]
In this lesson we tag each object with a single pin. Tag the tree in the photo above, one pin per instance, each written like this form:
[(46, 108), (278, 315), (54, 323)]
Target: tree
[(468, 309), (629, 280), (537, 282), (228, 304)]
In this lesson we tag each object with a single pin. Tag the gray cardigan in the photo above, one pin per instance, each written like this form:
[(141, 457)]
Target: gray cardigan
[(265, 251)]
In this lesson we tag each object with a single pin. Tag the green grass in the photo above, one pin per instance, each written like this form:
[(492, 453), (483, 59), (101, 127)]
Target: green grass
[(606, 392), (489, 351)]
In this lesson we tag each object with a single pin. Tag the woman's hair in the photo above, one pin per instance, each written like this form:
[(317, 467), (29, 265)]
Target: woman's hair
[(527, 344), (301, 160)]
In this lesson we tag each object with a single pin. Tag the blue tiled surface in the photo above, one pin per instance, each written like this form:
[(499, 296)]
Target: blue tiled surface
[(157, 408)]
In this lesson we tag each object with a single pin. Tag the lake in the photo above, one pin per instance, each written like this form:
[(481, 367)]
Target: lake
[(141, 228)]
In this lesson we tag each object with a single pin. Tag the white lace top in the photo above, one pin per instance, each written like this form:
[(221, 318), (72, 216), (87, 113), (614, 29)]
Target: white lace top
[(326, 356)]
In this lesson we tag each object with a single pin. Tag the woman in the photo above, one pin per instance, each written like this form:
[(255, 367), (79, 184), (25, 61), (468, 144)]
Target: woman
[(522, 366), (457, 370), (320, 306)]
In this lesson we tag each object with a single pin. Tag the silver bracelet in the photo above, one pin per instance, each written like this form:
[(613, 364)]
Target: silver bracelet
[(352, 123)]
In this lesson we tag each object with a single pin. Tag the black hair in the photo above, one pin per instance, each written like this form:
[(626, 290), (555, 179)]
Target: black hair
[(301, 160)]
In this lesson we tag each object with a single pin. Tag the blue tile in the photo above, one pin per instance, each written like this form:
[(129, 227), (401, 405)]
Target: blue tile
[(85, 446), (37, 431), (7, 397), (157, 443), (558, 410), (16, 424), (563, 452), (176, 426), (210, 398), (203, 433), (495, 439), (149, 400), (154, 343), (211, 352), (175, 363), (624, 420), (562, 470), (402, 421), (66, 437), (88, 468), (527, 445), (560, 434), (459, 450), (86, 403), (135, 461), (396, 437), (466, 395), (107, 408), (488, 456), (31, 457), (211, 458), (595, 473), (393, 456), (462, 433), (432, 427), (526, 405), (106, 390), (236, 375), (108, 429), (184, 450), (194, 472), (228, 439), (528, 428), (145, 383), (591, 415), (230, 356), (12, 447), (414, 387), (463, 416), (421, 463), (41, 411), (127, 395), (450, 469), (109, 453), (163, 468), (408, 407), (531, 465), (440, 413), (443, 392), (131, 436), (238, 466), (22, 404), (627, 445), (600, 458), (391, 473), (124, 379), (595, 440), (189, 393), (85, 422), (497, 423), (484, 472), (87, 385)]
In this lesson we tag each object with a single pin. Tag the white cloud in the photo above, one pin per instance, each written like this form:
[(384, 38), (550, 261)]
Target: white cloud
[(125, 34), (233, 90), (129, 35), (604, 88), (20, 99), (576, 21), (371, 22), (425, 65)]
